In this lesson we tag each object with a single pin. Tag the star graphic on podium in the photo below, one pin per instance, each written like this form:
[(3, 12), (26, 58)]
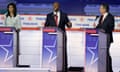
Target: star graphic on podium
[(90, 49), (8, 56), (49, 49)]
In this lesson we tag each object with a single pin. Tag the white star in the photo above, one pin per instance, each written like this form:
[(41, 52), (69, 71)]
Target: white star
[(93, 59), (7, 56), (51, 57)]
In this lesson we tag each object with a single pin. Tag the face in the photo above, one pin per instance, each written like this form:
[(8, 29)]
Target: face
[(11, 8), (56, 6), (102, 10)]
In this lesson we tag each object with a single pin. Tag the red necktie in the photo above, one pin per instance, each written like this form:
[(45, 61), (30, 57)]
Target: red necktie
[(56, 19)]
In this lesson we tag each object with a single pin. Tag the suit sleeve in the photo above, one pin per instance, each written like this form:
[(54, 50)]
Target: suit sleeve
[(66, 20), (47, 21), (111, 25)]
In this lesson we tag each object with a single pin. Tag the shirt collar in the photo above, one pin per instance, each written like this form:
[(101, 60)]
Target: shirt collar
[(58, 12), (105, 14)]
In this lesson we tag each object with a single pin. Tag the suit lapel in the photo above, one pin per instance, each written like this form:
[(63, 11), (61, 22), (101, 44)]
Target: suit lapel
[(52, 16)]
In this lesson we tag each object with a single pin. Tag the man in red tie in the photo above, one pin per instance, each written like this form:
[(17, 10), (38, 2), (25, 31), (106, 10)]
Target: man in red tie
[(106, 25), (59, 19)]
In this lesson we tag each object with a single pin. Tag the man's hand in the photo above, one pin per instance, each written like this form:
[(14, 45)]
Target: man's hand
[(102, 30), (69, 24)]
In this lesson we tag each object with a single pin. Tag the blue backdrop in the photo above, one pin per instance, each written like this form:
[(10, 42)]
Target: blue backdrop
[(84, 7)]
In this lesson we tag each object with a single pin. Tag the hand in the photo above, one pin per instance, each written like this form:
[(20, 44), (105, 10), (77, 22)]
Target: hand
[(69, 24), (102, 30)]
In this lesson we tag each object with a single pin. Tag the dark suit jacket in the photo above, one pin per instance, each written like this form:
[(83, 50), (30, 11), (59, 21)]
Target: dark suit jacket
[(50, 22), (107, 25)]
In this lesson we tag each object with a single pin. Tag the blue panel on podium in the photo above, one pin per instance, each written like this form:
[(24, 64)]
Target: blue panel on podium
[(49, 54), (6, 47), (91, 51)]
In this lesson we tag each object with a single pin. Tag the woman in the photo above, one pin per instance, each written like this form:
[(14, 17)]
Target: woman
[(11, 17)]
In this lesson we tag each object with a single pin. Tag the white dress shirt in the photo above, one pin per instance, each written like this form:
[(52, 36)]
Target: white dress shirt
[(104, 16), (12, 22)]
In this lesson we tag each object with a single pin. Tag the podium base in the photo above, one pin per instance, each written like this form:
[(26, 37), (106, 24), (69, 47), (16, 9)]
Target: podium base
[(24, 70)]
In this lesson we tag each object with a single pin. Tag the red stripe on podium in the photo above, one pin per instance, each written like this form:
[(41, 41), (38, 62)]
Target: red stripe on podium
[(91, 31), (30, 28), (75, 29), (48, 30), (5, 29)]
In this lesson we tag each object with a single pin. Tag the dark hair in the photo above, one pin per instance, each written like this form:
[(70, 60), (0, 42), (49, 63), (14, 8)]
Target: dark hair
[(15, 9), (106, 6)]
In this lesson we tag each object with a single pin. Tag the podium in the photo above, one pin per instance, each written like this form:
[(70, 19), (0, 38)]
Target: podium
[(96, 46), (52, 50), (30, 51), (7, 47), (41, 48)]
